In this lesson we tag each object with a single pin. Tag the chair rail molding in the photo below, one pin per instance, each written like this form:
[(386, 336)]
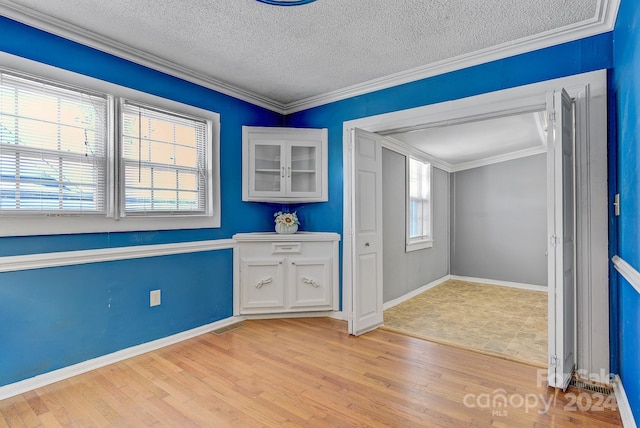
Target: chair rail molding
[(77, 257), (627, 271)]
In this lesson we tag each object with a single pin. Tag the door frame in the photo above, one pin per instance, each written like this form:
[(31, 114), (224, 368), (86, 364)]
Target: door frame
[(589, 90)]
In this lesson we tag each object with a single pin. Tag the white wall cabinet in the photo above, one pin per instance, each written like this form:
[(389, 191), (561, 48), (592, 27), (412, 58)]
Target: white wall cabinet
[(285, 273), (285, 165)]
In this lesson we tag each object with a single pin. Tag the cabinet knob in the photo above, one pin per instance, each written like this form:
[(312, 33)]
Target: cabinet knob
[(366, 244)]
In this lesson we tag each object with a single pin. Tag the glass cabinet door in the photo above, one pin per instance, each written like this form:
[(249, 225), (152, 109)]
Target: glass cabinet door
[(267, 169), (304, 172), (285, 165)]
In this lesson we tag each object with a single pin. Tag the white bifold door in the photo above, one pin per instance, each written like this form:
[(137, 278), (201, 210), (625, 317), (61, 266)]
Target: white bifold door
[(562, 232), (366, 311)]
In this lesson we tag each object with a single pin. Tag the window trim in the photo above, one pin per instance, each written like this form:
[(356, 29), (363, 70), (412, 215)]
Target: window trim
[(121, 211), (73, 223), (62, 92), (422, 242)]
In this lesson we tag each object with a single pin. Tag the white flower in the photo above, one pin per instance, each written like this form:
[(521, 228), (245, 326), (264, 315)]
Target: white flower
[(288, 219)]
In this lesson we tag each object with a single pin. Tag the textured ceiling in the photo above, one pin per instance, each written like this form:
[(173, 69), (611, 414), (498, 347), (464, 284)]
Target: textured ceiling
[(291, 54), (461, 144)]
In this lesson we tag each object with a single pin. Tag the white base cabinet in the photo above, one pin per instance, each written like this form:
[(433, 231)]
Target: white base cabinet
[(285, 273)]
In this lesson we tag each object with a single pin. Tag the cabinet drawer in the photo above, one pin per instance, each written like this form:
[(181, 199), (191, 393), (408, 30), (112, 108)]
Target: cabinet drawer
[(286, 248)]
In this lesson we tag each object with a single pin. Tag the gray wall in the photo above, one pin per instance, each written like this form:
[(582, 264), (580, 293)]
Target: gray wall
[(405, 272), (499, 221)]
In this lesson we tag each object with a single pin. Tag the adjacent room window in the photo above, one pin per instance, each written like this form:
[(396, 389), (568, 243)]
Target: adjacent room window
[(52, 148), (75, 160), (164, 161), (419, 207)]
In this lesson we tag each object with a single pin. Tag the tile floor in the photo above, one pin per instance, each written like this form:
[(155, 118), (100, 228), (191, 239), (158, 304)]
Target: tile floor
[(503, 321)]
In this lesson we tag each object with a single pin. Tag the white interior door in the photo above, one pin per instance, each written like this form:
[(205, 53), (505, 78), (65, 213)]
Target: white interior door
[(366, 311), (562, 284)]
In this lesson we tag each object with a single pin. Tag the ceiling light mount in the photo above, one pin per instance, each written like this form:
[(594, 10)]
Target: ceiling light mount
[(286, 2)]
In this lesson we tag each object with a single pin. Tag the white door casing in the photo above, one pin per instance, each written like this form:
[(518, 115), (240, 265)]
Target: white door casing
[(367, 311), (561, 230), (589, 91)]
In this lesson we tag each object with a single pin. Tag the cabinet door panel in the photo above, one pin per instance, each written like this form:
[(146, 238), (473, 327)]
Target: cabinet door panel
[(303, 171), (267, 168), (309, 283), (262, 284)]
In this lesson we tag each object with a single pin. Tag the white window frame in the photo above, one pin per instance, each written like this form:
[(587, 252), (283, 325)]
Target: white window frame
[(426, 239), (208, 205), (62, 223), (47, 162)]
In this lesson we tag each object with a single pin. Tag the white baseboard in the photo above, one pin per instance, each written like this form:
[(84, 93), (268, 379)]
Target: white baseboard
[(520, 285), (624, 407), (414, 293), (278, 315), (395, 302), (338, 315), (26, 385)]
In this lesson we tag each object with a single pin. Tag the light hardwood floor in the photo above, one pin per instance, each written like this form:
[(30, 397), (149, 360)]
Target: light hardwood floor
[(306, 372)]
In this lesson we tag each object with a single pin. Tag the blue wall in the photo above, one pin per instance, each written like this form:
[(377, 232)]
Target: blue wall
[(21, 40), (51, 318), (626, 80), (54, 317), (581, 56)]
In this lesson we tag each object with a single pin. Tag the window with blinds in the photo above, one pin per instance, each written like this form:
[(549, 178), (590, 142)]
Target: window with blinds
[(419, 202), (164, 168), (80, 155), (52, 148)]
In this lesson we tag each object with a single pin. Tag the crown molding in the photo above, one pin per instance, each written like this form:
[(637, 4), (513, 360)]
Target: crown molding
[(500, 158), (604, 22), (408, 150), (61, 28)]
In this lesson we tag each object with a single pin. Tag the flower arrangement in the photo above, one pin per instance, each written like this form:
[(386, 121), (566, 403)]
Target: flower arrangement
[(287, 219)]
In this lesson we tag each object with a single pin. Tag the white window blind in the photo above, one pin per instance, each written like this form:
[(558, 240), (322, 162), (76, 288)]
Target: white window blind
[(52, 148), (419, 200), (164, 161)]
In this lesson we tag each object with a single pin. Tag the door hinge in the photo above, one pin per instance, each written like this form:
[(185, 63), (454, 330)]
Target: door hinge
[(551, 116), (553, 240), (553, 361)]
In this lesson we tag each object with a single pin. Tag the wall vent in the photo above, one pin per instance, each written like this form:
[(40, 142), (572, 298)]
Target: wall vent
[(591, 386), (226, 329)]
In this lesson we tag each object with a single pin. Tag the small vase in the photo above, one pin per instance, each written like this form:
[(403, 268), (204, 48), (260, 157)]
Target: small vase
[(285, 228)]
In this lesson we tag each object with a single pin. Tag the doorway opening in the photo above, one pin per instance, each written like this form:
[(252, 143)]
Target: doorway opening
[(589, 92), (486, 263)]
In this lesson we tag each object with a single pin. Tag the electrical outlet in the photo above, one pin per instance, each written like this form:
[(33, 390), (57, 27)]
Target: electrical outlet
[(154, 298)]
